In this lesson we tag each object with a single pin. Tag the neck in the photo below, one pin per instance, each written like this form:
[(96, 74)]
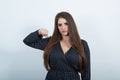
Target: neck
[(65, 38)]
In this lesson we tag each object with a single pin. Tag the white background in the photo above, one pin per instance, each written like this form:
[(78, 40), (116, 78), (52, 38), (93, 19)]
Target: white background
[(98, 22)]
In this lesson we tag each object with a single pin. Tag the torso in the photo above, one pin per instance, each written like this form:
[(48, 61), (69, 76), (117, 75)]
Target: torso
[(63, 66), (65, 46)]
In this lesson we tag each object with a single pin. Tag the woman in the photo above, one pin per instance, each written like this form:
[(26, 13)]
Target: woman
[(65, 54)]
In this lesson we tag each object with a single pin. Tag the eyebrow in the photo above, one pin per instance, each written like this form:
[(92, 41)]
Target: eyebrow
[(59, 24), (63, 23)]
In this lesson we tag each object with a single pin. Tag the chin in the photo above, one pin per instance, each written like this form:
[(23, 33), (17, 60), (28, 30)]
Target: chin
[(65, 34)]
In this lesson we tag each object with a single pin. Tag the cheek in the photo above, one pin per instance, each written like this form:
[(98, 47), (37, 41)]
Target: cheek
[(59, 29), (67, 28)]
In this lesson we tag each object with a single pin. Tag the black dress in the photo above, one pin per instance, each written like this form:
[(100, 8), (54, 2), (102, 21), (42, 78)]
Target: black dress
[(63, 66)]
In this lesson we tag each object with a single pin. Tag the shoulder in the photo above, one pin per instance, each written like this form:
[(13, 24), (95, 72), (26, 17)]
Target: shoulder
[(86, 47), (84, 42)]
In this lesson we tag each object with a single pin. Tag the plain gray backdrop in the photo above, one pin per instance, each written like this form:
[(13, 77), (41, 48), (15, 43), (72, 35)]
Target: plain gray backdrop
[(98, 22)]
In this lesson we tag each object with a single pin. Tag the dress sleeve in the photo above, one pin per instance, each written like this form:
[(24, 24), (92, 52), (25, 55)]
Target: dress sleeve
[(36, 41), (86, 74)]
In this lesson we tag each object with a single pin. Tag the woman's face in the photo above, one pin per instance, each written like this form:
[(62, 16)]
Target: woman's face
[(63, 26)]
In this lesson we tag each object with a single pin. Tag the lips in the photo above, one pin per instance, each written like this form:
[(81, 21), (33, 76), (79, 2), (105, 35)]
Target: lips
[(64, 31)]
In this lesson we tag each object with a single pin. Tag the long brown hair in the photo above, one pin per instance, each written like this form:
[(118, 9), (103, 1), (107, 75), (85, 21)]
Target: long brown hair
[(74, 40)]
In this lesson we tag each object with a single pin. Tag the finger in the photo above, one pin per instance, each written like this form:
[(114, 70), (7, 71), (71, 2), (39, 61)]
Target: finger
[(45, 34)]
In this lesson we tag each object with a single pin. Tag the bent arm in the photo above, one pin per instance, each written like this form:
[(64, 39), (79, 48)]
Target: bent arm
[(35, 40), (86, 74)]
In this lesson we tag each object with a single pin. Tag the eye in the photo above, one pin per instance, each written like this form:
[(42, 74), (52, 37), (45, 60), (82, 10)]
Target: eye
[(66, 23), (59, 24)]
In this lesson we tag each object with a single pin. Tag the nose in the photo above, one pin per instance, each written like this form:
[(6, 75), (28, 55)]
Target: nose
[(63, 26)]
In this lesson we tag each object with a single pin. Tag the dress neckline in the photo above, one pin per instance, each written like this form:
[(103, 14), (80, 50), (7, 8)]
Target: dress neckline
[(62, 49)]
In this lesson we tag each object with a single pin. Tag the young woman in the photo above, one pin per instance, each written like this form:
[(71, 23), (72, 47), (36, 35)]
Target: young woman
[(65, 53)]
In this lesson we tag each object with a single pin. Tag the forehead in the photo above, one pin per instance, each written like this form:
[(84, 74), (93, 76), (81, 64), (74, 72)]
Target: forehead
[(62, 20)]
